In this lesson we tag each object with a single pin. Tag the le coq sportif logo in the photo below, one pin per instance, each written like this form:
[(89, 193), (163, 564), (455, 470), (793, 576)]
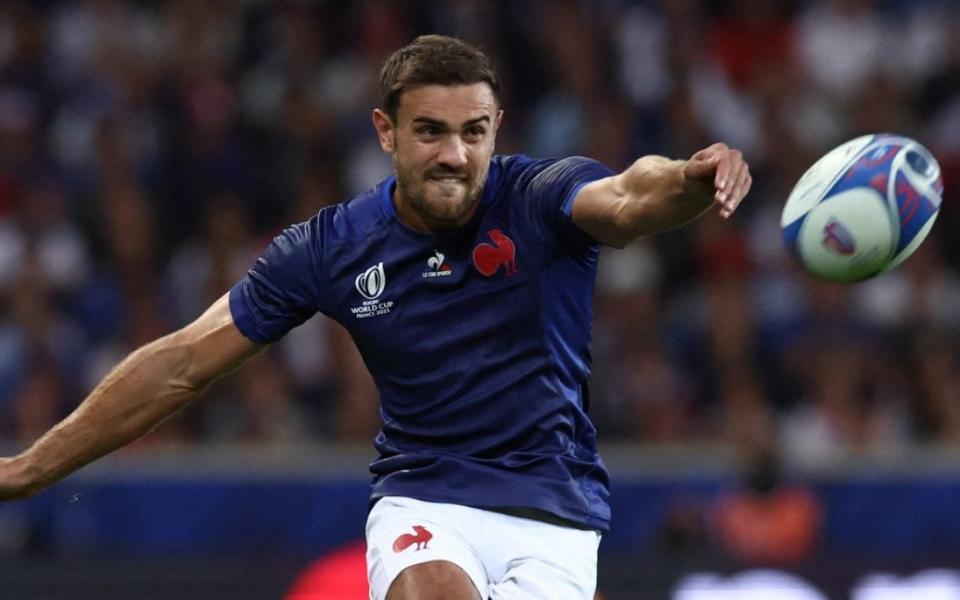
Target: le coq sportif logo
[(435, 261), (371, 282)]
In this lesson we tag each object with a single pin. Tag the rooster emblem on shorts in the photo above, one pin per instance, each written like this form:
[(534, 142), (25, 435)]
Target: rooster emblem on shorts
[(419, 539), (488, 258)]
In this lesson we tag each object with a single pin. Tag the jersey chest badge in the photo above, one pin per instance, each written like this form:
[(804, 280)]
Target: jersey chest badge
[(370, 284), (501, 252)]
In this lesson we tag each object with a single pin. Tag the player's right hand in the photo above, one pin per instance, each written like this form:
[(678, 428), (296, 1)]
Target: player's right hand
[(723, 169)]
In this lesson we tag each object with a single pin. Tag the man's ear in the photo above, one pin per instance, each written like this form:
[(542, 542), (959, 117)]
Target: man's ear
[(384, 127), (496, 126)]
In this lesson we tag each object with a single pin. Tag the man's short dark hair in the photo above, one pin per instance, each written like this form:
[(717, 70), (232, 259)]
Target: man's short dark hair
[(434, 60)]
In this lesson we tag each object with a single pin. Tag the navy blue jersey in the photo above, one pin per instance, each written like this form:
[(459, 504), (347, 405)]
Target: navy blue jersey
[(478, 338)]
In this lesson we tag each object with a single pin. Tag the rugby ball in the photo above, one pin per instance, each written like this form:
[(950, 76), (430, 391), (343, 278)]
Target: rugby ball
[(863, 208)]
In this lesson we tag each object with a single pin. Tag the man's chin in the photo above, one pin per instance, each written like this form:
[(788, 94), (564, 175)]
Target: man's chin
[(447, 210)]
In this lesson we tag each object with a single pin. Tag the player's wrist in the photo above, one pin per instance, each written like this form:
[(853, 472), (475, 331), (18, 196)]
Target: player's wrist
[(19, 478), (656, 176)]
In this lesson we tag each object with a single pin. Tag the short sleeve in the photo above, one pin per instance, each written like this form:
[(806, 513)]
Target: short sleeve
[(282, 290), (554, 188)]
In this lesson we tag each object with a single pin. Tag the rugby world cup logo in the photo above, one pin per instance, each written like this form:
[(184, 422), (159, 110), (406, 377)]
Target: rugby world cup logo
[(371, 282)]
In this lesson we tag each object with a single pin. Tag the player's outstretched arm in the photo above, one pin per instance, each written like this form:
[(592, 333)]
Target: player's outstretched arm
[(656, 194), (147, 387)]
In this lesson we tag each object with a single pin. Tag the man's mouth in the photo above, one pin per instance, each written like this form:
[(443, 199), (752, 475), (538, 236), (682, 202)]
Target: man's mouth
[(448, 178)]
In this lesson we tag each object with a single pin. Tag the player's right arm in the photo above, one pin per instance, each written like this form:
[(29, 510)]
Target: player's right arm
[(656, 194), (148, 386)]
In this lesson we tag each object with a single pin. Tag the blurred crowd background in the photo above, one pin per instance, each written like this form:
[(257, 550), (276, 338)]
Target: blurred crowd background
[(150, 150)]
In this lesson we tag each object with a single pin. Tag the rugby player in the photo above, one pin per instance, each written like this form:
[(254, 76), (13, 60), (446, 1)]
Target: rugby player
[(466, 281)]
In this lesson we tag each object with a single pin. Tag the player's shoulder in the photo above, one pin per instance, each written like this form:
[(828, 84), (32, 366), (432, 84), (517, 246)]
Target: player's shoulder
[(516, 172), (355, 218), (516, 166), (510, 174), (513, 166)]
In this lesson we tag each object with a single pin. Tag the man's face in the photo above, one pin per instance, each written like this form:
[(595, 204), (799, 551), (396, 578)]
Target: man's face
[(441, 146)]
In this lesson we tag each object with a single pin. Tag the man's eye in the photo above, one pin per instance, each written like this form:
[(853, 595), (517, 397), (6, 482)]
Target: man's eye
[(475, 132), (428, 130)]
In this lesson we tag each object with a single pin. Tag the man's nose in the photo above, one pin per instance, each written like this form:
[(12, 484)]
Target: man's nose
[(453, 151)]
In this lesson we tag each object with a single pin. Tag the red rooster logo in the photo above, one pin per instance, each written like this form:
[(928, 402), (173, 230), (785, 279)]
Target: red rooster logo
[(488, 258), (406, 540)]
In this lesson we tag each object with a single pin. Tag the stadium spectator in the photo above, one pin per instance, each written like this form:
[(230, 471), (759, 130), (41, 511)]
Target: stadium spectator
[(767, 521)]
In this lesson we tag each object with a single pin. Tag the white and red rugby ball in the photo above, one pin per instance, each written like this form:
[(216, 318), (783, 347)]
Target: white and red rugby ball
[(863, 208)]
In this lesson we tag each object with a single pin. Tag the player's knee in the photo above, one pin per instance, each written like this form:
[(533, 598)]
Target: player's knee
[(434, 580)]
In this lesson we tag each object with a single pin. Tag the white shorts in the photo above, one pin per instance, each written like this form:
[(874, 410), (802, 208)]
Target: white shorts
[(506, 557)]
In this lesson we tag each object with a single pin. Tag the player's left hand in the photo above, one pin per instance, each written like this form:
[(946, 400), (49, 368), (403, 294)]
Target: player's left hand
[(724, 170)]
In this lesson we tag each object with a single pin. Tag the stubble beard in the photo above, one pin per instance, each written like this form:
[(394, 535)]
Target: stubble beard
[(449, 205)]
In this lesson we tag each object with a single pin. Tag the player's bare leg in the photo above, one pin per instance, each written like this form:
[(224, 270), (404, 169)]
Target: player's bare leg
[(434, 580)]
